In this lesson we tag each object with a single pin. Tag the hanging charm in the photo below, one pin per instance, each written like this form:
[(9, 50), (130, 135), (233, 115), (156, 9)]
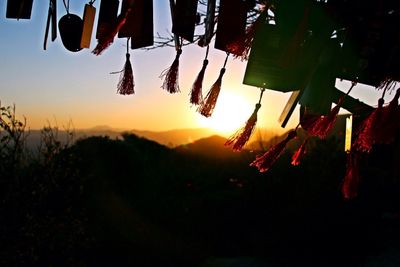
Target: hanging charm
[(51, 20), (70, 27), (126, 82), (107, 37), (171, 74), (89, 14), (196, 94), (207, 107), (265, 161), (240, 138)]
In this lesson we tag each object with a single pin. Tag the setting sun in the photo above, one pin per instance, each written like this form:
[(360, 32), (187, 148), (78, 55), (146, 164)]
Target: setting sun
[(231, 113)]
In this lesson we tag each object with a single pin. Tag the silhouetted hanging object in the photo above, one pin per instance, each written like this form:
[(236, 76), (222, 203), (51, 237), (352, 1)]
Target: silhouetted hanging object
[(318, 94), (196, 94), (240, 48), (70, 27), (240, 138), (184, 18), (108, 38), (351, 180), (139, 23), (19, 9), (89, 14), (126, 82), (322, 126), (171, 74), (265, 161), (299, 153), (107, 17), (51, 20), (209, 24), (232, 17), (207, 107)]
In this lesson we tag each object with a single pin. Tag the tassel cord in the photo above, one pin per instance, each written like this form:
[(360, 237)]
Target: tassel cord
[(196, 95)]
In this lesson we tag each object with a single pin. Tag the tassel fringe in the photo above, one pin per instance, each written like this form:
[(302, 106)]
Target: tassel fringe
[(207, 107), (240, 138), (265, 161), (171, 75), (126, 83), (196, 94), (351, 180), (299, 154)]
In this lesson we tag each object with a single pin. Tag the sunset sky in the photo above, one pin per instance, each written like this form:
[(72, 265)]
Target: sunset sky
[(57, 85)]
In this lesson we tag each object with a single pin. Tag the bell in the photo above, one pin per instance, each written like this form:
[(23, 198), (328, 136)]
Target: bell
[(70, 27)]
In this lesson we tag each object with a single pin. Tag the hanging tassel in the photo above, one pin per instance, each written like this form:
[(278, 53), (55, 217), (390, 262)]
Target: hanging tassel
[(387, 84), (324, 124), (241, 47), (196, 94), (389, 125), (108, 37), (265, 161), (352, 178), (365, 137), (207, 107), (240, 138), (171, 75), (126, 82), (299, 154)]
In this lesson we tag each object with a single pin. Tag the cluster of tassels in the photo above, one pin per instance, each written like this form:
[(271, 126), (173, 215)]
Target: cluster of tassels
[(380, 127), (196, 94), (240, 138), (108, 37), (207, 106), (171, 75)]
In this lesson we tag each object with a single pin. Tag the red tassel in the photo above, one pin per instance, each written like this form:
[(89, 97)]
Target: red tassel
[(207, 107), (322, 126), (108, 38), (299, 154), (365, 137), (126, 82), (390, 123), (240, 138), (241, 47), (265, 161), (171, 75), (196, 95), (352, 178)]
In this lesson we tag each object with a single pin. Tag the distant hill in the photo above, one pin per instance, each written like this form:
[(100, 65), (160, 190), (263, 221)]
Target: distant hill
[(213, 145)]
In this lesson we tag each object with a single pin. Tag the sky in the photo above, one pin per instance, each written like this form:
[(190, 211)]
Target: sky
[(57, 86)]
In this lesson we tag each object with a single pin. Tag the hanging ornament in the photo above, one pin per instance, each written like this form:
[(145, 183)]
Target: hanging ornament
[(139, 23), (107, 37), (126, 82), (240, 48), (299, 154), (89, 14), (322, 126), (70, 27), (19, 9), (171, 74), (240, 138), (209, 24), (265, 161), (351, 180), (231, 24), (184, 18), (107, 17), (196, 94), (207, 107), (51, 20)]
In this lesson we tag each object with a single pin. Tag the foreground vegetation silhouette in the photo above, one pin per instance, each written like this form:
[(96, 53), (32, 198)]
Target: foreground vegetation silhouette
[(133, 202)]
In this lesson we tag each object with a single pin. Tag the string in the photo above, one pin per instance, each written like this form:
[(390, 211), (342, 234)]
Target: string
[(226, 59), (261, 95), (66, 5)]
